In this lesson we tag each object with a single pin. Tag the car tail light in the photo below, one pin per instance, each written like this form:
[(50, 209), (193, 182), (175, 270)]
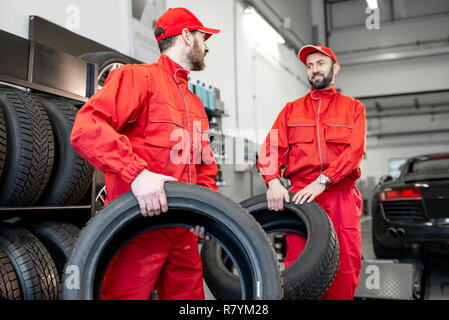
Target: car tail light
[(400, 194), (440, 156)]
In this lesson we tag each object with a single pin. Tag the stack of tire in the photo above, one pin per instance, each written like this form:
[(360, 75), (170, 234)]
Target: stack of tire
[(312, 273), (38, 167)]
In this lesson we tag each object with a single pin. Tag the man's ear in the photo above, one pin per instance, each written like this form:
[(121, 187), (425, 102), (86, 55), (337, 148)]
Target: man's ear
[(187, 37), (336, 68)]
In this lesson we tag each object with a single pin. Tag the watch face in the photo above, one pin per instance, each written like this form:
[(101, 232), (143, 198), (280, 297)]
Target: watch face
[(322, 179)]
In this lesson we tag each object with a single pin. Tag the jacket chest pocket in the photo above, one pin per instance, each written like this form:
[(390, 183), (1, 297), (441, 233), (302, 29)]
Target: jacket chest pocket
[(165, 130), (338, 130), (301, 130)]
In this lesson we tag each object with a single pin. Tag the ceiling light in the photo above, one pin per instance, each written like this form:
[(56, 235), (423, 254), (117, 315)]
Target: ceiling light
[(260, 27)]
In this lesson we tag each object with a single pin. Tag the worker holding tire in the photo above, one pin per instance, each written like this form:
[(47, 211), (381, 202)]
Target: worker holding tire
[(319, 140), (142, 129)]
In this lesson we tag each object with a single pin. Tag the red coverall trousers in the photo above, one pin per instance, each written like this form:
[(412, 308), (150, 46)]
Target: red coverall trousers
[(145, 117), (344, 207)]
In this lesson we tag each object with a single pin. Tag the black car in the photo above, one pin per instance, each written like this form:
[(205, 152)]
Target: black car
[(411, 211)]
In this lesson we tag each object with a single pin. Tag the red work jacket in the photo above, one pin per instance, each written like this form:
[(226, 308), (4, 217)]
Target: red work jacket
[(320, 133), (145, 117)]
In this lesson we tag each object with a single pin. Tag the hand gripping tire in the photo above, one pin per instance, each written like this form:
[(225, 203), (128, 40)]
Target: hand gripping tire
[(189, 205), (309, 277)]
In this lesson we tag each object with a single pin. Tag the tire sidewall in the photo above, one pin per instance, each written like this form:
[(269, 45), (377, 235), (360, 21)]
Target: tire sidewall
[(94, 238)]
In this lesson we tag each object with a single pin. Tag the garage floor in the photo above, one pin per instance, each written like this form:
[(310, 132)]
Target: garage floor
[(436, 267), (435, 274)]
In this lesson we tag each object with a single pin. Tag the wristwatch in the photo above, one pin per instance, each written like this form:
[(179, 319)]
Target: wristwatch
[(324, 180)]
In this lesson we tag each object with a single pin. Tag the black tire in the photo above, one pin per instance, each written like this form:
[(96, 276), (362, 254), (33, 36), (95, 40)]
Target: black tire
[(72, 175), (189, 205), (107, 61), (59, 238), (9, 285), (309, 277), (35, 269), (30, 154), (3, 142), (382, 252)]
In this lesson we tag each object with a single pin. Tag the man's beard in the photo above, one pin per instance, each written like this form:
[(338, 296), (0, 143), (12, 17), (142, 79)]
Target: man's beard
[(324, 82), (196, 58)]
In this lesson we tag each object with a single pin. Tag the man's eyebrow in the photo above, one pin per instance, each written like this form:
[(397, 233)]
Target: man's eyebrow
[(319, 60)]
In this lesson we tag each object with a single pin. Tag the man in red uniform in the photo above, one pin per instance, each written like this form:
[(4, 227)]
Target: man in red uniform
[(319, 140), (143, 128)]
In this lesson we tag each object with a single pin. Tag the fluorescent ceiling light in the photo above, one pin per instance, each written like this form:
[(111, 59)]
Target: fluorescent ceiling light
[(260, 27), (372, 4)]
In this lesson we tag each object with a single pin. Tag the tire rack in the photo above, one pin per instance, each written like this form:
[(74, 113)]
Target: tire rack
[(39, 68), (80, 213)]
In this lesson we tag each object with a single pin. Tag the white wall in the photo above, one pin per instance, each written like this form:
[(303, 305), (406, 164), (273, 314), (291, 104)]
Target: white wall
[(297, 11), (259, 80), (400, 76), (105, 21), (377, 160), (264, 85), (255, 81), (220, 62), (425, 72), (266, 77)]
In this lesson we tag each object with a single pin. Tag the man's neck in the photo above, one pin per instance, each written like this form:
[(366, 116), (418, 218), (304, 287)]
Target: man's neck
[(176, 57), (328, 87)]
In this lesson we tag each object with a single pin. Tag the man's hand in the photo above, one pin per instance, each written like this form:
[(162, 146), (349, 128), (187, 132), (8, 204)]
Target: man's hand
[(276, 195), (148, 188), (200, 232), (310, 192)]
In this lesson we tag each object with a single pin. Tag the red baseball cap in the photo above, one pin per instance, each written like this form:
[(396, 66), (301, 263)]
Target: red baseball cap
[(306, 50), (176, 19)]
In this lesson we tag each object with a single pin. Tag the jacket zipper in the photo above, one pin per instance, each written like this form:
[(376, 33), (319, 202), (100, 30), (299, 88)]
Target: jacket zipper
[(318, 131), (188, 120)]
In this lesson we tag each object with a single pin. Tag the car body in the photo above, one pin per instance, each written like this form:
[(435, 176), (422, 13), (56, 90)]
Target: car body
[(412, 210)]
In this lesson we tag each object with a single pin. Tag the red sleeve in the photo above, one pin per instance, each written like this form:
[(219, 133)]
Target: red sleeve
[(95, 134), (207, 175), (354, 151), (208, 169), (273, 153)]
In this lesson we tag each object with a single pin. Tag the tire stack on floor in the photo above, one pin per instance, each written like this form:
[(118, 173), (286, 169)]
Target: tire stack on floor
[(308, 278), (38, 167)]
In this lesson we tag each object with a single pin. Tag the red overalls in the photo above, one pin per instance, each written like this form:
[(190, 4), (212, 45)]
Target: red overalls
[(323, 132), (146, 117)]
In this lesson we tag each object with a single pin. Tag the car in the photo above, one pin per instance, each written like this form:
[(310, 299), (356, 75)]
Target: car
[(411, 211)]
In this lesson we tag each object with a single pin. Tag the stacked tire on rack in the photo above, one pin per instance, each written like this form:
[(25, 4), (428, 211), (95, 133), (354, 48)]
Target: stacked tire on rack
[(38, 167)]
